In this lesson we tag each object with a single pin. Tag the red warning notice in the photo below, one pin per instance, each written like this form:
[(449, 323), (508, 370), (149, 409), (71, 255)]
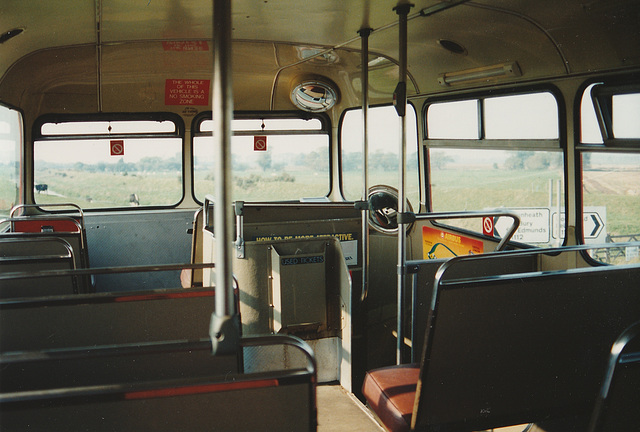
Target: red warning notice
[(116, 147), (186, 92), (487, 226), (185, 46), (259, 143)]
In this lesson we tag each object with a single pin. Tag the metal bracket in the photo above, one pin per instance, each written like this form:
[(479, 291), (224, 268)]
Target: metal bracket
[(238, 208), (362, 205), (406, 218), (224, 332)]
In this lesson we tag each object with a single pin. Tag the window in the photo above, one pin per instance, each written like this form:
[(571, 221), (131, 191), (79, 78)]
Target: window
[(530, 116), (453, 120), (611, 171), (108, 163), (10, 139), (384, 145), (273, 159), (625, 115), (499, 152), (612, 111)]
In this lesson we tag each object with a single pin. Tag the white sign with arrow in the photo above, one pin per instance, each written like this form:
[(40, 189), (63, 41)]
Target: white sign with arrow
[(594, 222)]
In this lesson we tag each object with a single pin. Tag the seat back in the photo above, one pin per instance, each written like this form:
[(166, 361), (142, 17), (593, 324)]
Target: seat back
[(105, 319), (69, 228), (424, 274), (517, 348), (165, 386), (619, 398), (23, 260)]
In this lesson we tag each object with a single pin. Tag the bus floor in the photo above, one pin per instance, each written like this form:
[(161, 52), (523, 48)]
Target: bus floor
[(339, 411)]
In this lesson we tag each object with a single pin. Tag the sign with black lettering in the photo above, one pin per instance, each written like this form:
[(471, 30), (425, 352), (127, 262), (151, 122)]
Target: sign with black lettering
[(318, 259)]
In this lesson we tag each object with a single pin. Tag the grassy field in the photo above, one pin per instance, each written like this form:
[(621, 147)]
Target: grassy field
[(93, 190), (261, 186), (8, 189), (452, 190)]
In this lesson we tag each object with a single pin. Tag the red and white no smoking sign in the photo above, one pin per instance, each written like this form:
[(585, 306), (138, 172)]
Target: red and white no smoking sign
[(116, 147), (259, 143), (487, 226)]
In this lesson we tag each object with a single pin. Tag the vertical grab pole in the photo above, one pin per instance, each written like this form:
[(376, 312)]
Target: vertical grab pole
[(364, 204), (224, 328), (400, 102)]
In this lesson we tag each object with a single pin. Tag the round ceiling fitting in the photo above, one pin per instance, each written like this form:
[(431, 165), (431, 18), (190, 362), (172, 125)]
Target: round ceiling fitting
[(314, 94)]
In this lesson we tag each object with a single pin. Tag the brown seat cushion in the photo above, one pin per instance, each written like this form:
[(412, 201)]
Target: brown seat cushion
[(390, 393)]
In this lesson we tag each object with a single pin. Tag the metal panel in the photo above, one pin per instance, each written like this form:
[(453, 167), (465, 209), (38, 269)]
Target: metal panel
[(298, 287), (138, 238)]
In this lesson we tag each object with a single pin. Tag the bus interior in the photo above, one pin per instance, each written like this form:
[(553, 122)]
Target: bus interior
[(348, 215)]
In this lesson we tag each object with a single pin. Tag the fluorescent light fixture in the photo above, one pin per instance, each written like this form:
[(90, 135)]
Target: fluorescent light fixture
[(503, 70)]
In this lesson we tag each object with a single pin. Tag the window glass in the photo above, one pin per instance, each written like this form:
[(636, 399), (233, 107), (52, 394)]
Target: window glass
[(529, 116), (518, 174), (453, 120), (10, 137), (526, 116), (611, 179), (107, 173), (272, 160), (611, 197), (384, 148), (526, 181), (107, 127), (626, 115)]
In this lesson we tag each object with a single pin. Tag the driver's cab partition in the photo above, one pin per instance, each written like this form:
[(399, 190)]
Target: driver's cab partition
[(143, 387), (293, 263)]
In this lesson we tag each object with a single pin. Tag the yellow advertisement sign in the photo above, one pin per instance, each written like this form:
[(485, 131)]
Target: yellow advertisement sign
[(440, 244)]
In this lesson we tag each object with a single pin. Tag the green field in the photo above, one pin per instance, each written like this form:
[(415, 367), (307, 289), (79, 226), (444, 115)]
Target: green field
[(452, 190), (107, 189), (8, 189)]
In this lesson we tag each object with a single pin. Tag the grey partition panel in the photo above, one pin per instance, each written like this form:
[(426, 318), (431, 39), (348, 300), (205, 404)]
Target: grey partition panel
[(117, 239)]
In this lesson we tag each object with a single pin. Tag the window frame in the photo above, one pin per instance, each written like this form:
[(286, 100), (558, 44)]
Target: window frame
[(325, 129), (179, 133), (495, 143), (19, 152), (602, 98), (543, 144), (606, 86), (341, 150)]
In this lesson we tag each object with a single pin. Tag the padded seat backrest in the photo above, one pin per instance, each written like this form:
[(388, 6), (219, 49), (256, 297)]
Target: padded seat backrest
[(21, 257), (617, 405), (66, 228)]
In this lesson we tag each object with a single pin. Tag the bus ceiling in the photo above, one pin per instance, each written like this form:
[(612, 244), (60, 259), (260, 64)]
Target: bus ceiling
[(86, 57)]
